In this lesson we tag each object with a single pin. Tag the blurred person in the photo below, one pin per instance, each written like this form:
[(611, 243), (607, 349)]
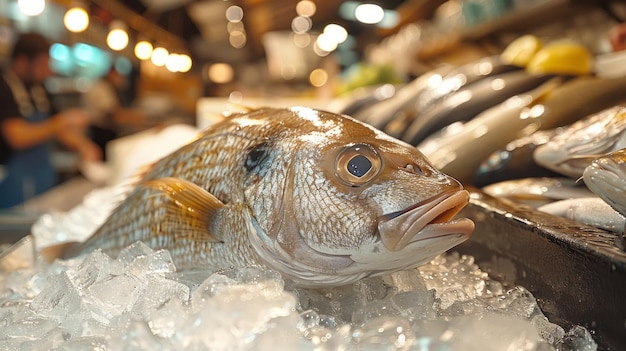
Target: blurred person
[(617, 37), (104, 102), (27, 130)]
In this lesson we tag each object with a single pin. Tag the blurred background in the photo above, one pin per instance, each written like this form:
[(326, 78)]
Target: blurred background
[(185, 61)]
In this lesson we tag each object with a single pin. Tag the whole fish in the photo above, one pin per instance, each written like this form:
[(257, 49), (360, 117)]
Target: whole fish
[(571, 150), (606, 177), (467, 102), (551, 105), (322, 198)]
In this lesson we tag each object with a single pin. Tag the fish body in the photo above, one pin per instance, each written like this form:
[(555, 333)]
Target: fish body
[(514, 161), (399, 106), (571, 150), (606, 177), (467, 102), (551, 105), (322, 198), (461, 77), (591, 211), (536, 192)]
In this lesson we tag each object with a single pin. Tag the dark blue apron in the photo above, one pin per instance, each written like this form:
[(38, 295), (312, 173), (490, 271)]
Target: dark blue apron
[(27, 172)]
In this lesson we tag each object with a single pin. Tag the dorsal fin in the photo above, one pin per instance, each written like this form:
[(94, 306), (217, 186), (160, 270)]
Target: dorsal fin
[(190, 210)]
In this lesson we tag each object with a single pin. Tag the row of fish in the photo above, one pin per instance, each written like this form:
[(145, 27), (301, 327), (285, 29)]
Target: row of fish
[(588, 160), (524, 119)]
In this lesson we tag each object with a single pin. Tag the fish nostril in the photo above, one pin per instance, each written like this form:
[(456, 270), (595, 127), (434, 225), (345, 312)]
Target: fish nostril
[(411, 168)]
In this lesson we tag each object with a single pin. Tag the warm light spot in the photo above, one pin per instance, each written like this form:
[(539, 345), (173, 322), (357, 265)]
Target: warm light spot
[(237, 39), (143, 50), (234, 14), (326, 42), (171, 64), (159, 56), (337, 32), (31, 7), (306, 8), (302, 40), (221, 73), (318, 77), (185, 63), (117, 39), (301, 24), (76, 19)]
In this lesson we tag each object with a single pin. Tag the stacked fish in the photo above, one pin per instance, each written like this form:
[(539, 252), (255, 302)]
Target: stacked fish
[(485, 122), (589, 160)]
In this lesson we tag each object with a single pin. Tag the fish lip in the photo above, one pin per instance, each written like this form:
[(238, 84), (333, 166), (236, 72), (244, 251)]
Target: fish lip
[(428, 219)]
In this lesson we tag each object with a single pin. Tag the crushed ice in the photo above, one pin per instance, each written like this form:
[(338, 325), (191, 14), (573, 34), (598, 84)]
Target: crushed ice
[(139, 301)]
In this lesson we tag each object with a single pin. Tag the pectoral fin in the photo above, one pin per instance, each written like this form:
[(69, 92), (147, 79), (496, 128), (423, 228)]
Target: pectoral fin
[(190, 210)]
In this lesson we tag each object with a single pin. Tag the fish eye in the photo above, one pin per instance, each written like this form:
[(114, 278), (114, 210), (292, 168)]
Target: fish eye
[(257, 157), (358, 164)]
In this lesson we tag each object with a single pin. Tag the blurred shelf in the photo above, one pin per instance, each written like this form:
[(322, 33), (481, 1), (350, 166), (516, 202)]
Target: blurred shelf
[(525, 16)]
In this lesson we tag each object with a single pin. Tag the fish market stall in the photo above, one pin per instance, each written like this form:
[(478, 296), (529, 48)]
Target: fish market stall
[(459, 200)]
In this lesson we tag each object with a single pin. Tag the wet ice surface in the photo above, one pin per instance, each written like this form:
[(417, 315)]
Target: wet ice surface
[(139, 301)]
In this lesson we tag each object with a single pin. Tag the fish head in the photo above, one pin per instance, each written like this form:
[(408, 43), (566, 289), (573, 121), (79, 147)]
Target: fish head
[(348, 201), (606, 177), (574, 147)]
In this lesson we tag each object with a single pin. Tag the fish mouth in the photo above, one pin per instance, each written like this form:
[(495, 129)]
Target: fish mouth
[(428, 219)]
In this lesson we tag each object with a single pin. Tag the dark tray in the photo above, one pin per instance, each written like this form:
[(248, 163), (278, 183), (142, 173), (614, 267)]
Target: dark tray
[(576, 272)]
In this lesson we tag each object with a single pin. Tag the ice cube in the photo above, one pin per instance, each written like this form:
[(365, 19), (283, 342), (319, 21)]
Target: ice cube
[(58, 299), (159, 261), (131, 252), (95, 267), (518, 302), (408, 280), (577, 339), (29, 327), (113, 296), (157, 291), (169, 318), (548, 331), (209, 288)]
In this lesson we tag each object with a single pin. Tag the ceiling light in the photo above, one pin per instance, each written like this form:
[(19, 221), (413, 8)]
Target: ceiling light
[(221, 73), (339, 33), (306, 8), (117, 39), (159, 56), (31, 7), (369, 13), (76, 19), (143, 50), (234, 14)]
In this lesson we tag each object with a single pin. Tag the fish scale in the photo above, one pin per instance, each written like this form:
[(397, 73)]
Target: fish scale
[(275, 187)]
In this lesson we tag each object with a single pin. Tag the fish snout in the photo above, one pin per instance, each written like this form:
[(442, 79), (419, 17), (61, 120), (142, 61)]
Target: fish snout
[(428, 219)]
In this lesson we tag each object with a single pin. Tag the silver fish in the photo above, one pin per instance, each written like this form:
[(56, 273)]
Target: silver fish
[(606, 177), (549, 106), (322, 198), (571, 150), (537, 192), (592, 211), (469, 101)]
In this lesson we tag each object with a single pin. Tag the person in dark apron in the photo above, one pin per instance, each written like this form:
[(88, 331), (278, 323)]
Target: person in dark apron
[(27, 131)]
